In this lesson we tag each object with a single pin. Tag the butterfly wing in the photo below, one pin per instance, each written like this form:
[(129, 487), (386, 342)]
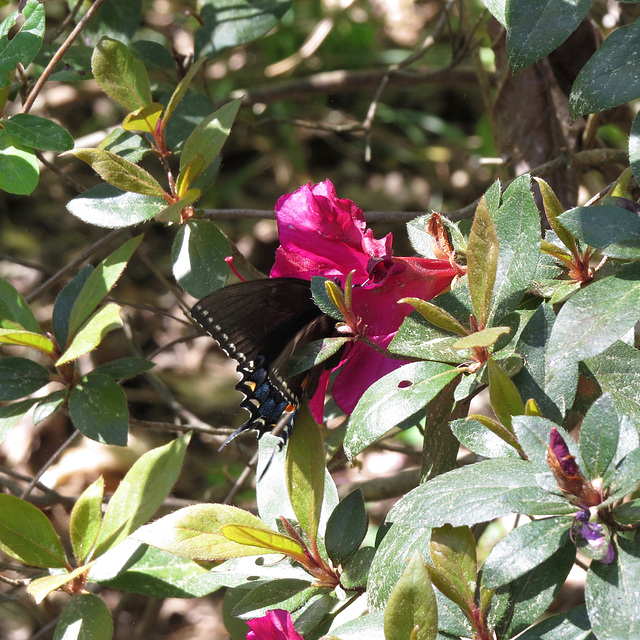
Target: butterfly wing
[(260, 324)]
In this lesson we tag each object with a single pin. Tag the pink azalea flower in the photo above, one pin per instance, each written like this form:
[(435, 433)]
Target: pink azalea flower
[(323, 235), (276, 625)]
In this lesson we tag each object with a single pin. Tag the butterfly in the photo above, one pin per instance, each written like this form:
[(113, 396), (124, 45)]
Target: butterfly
[(261, 324)]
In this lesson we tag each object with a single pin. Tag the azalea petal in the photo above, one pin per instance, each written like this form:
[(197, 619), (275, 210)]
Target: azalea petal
[(321, 234), (275, 625)]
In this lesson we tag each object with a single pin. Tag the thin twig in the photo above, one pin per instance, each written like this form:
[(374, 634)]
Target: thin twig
[(78, 188), (242, 478), (78, 260), (51, 37), (33, 94)]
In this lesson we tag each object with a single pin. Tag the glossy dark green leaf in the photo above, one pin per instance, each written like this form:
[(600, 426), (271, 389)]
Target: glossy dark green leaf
[(599, 436), (198, 254), (346, 528), (64, 304), (611, 76), (141, 491), (98, 408), (14, 308), (535, 29), (27, 535), (517, 226), (393, 398), (419, 338), (569, 625), (86, 617), (120, 75), (23, 46), (479, 439), (595, 317), (553, 391), (119, 19), (129, 145), (19, 377), (530, 595), (357, 568), (613, 229), (412, 610), (314, 353), (478, 493), (612, 594), (525, 548), (124, 368), (37, 132), (107, 206), (19, 170), (274, 594), (228, 23)]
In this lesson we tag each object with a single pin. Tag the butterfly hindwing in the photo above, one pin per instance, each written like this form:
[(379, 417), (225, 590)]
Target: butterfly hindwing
[(260, 324)]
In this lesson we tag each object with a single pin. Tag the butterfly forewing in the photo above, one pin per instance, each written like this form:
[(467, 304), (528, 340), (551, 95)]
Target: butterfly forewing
[(260, 324)]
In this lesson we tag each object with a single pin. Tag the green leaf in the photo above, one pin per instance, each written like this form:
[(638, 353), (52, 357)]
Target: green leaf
[(634, 147), (530, 595), (321, 298), (100, 282), (198, 254), (181, 90), (478, 493), (40, 588), (160, 574), (313, 353), (595, 317), (366, 627), (106, 206), (484, 338), (19, 170), (612, 594), (305, 471), (613, 229), (144, 119), (126, 144), (86, 617), (24, 46), (356, 570), (392, 399), (48, 405), (173, 213), (19, 377), (92, 333), (14, 307), (287, 594), (553, 391), (124, 368), (346, 528), (599, 436), (478, 438), (536, 29), (11, 413), (628, 512), (525, 548), (141, 492), (624, 479), (569, 625), (205, 142), (98, 408), (228, 23), (611, 76), (27, 535), (505, 399), (412, 611), (119, 19), (64, 304), (120, 75), (482, 262), (27, 339), (86, 518), (436, 316), (517, 226), (453, 552), (40, 133), (120, 172), (553, 209), (196, 532)]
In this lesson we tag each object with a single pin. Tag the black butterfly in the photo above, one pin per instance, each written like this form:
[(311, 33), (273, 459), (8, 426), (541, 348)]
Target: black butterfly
[(260, 324)]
